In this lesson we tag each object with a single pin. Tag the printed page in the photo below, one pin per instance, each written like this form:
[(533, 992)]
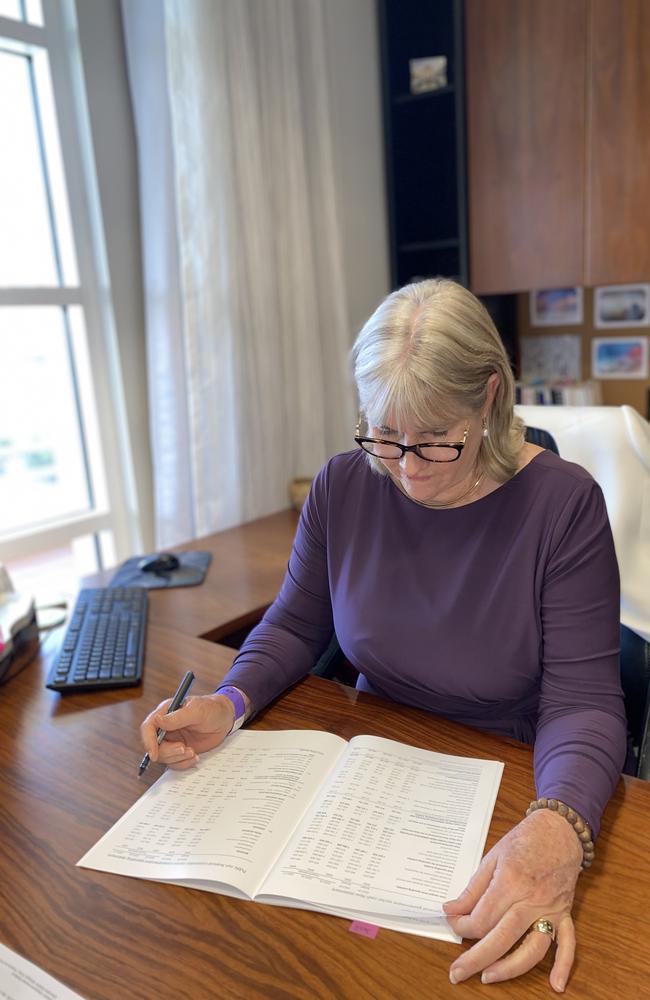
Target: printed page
[(395, 833), (22, 980), (221, 825)]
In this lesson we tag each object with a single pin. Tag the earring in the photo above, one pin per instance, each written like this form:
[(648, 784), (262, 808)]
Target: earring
[(485, 430)]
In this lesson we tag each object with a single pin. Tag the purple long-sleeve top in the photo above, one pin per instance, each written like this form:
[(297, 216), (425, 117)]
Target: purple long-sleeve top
[(502, 614)]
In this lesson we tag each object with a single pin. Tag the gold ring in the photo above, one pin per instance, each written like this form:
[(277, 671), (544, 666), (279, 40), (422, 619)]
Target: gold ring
[(545, 926)]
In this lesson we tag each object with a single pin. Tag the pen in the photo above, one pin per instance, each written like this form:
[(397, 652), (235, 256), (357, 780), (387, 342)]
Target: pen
[(175, 703)]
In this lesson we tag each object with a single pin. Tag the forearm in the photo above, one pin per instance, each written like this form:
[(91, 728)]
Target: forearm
[(578, 759), (271, 660)]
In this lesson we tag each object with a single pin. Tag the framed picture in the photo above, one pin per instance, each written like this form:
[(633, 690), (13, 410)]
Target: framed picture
[(622, 306), (556, 306), (619, 357)]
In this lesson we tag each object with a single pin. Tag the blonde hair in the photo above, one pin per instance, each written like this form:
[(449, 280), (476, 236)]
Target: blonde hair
[(425, 356)]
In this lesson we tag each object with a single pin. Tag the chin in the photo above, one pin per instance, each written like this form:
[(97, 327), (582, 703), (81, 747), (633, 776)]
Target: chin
[(420, 489)]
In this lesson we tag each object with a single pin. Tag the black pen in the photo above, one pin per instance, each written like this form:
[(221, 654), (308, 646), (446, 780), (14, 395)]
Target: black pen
[(175, 703)]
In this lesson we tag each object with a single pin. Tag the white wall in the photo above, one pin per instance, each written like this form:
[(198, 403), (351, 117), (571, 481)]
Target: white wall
[(109, 104)]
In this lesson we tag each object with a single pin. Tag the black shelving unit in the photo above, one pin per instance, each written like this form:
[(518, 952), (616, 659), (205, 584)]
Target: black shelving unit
[(424, 141), (426, 154)]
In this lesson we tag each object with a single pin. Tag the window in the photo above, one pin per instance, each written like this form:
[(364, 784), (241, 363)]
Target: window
[(65, 465)]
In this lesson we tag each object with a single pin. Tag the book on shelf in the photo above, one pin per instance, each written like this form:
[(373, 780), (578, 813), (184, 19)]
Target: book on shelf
[(558, 393), (369, 829)]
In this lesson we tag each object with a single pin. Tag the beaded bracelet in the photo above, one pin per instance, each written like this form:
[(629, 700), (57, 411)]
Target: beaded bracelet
[(580, 826)]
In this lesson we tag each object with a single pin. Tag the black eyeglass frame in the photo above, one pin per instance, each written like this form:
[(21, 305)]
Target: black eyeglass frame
[(415, 448)]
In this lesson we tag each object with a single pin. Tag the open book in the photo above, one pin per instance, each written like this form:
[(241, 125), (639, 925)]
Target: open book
[(370, 830)]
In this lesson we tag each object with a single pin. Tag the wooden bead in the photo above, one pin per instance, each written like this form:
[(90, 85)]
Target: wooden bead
[(578, 826), (562, 809), (552, 804)]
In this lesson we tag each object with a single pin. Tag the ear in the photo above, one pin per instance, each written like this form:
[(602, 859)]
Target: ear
[(493, 384)]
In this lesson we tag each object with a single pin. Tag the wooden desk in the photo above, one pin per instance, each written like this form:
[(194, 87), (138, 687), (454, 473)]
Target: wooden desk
[(69, 769), (247, 568)]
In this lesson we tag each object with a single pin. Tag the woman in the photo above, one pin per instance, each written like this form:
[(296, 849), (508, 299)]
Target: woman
[(466, 572)]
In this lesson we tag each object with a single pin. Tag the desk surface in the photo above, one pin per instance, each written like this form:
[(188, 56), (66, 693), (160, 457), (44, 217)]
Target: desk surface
[(247, 568), (69, 767)]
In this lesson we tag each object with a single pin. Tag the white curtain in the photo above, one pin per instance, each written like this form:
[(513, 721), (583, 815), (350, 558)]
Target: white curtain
[(248, 329)]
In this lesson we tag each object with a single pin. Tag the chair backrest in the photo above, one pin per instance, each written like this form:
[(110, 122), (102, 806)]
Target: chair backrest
[(535, 435)]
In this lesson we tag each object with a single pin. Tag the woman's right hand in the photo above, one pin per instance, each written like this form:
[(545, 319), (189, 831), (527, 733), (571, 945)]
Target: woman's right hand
[(201, 724)]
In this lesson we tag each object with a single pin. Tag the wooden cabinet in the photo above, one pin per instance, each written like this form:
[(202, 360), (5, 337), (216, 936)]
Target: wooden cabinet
[(558, 127), (618, 163), (526, 142)]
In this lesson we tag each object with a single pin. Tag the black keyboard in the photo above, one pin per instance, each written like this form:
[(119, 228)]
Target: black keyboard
[(104, 642)]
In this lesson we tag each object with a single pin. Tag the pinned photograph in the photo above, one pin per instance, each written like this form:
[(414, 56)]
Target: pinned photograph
[(619, 357), (622, 306), (551, 358), (428, 74), (556, 307)]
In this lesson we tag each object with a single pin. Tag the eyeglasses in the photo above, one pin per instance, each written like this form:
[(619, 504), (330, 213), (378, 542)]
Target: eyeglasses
[(431, 451)]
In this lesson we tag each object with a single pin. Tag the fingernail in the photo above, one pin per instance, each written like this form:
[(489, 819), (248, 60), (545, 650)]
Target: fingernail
[(488, 977), (456, 976), (559, 986)]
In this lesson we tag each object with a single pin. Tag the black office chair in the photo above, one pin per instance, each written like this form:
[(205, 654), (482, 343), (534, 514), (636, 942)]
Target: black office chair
[(635, 666), (334, 666), (635, 680)]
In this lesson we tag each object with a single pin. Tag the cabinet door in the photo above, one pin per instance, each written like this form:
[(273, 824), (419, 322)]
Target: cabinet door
[(525, 64), (618, 180)]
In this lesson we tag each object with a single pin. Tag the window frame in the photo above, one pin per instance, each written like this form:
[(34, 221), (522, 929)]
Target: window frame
[(116, 508)]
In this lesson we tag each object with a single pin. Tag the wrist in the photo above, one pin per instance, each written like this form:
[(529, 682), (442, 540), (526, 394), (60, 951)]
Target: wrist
[(237, 703), (569, 824)]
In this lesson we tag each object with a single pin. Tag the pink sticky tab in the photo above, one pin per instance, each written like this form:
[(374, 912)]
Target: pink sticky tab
[(366, 930)]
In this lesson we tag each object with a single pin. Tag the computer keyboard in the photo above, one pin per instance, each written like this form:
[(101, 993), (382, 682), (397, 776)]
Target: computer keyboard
[(104, 643)]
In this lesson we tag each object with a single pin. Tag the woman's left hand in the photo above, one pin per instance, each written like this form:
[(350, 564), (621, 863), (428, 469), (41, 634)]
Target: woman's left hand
[(530, 874)]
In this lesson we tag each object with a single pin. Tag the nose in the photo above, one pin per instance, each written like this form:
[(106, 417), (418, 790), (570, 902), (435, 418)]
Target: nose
[(411, 464)]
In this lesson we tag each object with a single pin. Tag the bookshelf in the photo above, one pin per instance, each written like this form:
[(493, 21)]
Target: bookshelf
[(424, 141), (425, 153)]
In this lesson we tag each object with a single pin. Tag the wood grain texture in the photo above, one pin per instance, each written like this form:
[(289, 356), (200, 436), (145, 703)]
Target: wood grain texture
[(526, 143), (618, 210), (69, 771)]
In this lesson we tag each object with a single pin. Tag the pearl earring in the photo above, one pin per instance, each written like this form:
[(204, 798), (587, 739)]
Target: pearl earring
[(485, 430)]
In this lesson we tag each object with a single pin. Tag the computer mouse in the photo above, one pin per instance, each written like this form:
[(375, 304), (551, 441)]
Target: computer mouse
[(163, 562)]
